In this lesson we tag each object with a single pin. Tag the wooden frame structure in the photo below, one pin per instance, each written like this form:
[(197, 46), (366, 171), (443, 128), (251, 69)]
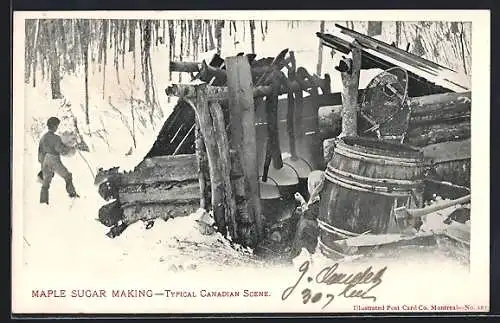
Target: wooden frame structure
[(227, 151)]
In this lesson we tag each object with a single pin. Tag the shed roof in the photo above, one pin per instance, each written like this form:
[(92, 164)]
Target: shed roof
[(378, 54)]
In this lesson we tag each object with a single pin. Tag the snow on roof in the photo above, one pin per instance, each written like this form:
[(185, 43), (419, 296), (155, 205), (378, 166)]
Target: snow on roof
[(431, 71)]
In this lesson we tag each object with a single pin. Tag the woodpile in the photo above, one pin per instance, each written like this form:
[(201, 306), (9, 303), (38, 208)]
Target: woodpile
[(160, 187)]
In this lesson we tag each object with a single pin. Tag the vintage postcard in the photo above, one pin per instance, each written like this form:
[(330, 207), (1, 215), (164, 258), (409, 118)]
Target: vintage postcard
[(240, 162)]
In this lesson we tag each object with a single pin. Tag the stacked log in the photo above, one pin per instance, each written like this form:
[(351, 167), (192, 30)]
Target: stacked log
[(160, 187), (165, 186), (434, 118), (449, 162), (439, 118)]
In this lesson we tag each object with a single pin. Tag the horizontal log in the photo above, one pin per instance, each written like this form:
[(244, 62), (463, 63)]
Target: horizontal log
[(211, 71), (145, 212), (110, 214), (187, 67), (425, 109), (162, 161), (447, 151), (194, 67), (189, 191), (446, 106), (163, 169), (449, 162), (434, 118), (219, 93), (456, 172), (440, 132)]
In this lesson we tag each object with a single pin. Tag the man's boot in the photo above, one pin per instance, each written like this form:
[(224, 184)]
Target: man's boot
[(70, 188), (44, 195)]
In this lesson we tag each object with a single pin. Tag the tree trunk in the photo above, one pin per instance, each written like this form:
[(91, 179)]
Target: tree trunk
[(252, 35), (163, 40), (84, 30), (157, 29), (116, 33), (211, 44), (132, 114), (146, 57), (171, 44), (29, 29), (218, 35), (123, 41), (35, 50), (398, 33), (104, 46), (63, 46), (55, 77), (131, 35)]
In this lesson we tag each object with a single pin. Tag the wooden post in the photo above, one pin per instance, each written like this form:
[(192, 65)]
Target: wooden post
[(243, 134), (216, 176), (350, 70), (224, 162), (320, 49), (203, 173)]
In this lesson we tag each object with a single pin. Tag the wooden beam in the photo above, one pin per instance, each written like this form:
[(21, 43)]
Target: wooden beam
[(220, 93), (243, 134), (163, 169), (187, 67), (189, 191)]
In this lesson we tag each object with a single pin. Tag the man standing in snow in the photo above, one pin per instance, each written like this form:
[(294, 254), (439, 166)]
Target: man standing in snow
[(49, 155)]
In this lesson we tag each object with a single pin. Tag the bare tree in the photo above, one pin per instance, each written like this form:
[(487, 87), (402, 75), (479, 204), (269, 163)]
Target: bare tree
[(252, 35), (104, 48), (84, 29), (55, 78)]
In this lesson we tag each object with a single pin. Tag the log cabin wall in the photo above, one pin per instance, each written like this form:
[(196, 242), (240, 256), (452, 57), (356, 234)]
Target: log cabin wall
[(162, 186)]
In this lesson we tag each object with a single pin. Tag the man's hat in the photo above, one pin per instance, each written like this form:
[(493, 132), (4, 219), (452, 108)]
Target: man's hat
[(53, 122)]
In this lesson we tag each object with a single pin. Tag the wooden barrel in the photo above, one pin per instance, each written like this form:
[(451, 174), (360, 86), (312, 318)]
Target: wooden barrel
[(365, 180)]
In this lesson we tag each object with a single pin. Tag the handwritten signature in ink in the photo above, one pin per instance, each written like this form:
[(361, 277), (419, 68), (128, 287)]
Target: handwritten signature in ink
[(330, 275)]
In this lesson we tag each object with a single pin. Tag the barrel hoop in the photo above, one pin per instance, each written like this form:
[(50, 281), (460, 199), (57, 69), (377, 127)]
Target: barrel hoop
[(375, 180), (377, 159), (355, 186), (331, 229), (330, 250)]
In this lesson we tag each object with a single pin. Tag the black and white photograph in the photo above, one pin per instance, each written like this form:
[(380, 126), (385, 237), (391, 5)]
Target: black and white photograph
[(251, 162)]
